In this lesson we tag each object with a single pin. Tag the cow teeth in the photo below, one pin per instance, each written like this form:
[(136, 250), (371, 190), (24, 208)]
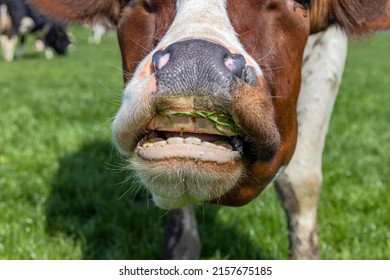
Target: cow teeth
[(175, 140), (223, 147), (226, 146), (192, 140), (148, 144), (161, 143), (208, 145)]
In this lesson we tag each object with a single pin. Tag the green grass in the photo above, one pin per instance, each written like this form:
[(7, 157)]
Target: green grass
[(61, 183), (355, 206)]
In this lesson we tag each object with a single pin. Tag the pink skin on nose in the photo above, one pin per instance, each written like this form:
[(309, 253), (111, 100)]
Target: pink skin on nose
[(229, 63), (162, 61)]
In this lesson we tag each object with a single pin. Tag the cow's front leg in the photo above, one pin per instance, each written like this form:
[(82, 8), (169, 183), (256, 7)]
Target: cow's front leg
[(299, 185), (8, 46), (181, 237)]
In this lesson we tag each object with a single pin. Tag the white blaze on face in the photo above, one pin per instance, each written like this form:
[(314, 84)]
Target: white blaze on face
[(205, 19)]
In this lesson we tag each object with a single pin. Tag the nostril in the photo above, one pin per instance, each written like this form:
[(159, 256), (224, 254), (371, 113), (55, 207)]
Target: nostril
[(249, 76), (160, 59), (235, 63)]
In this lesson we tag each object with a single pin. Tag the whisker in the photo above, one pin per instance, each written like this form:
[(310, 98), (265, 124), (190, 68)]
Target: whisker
[(268, 53), (140, 45), (248, 31), (265, 68)]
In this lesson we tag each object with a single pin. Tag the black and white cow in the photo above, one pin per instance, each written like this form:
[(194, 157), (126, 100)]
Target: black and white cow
[(17, 19)]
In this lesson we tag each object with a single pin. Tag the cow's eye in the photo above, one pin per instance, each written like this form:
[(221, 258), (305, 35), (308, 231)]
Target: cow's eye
[(304, 3)]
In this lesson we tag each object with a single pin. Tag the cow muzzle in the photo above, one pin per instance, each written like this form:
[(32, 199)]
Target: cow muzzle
[(200, 68), (195, 125)]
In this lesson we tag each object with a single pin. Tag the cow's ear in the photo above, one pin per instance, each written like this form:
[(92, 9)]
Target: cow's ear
[(80, 11), (356, 17)]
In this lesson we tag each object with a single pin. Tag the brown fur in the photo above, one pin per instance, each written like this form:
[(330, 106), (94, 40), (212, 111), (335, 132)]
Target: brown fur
[(356, 17), (79, 11), (140, 29)]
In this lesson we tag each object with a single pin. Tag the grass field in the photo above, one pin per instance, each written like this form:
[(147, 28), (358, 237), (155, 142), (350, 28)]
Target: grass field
[(63, 188)]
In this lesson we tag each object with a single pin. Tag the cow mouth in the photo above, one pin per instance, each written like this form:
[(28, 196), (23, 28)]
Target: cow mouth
[(206, 136)]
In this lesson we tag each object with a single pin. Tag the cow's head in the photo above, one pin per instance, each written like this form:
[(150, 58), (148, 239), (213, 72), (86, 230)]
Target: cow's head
[(57, 37), (209, 107)]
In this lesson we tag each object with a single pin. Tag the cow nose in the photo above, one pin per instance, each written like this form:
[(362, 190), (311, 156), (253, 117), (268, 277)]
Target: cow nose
[(201, 49), (197, 66)]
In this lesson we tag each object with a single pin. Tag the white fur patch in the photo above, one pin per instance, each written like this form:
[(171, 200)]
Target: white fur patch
[(205, 19)]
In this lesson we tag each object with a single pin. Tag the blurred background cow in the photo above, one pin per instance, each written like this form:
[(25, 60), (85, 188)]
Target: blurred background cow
[(99, 29), (18, 19)]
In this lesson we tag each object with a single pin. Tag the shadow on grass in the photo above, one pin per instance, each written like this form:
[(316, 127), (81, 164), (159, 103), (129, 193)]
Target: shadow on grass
[(87, 203)]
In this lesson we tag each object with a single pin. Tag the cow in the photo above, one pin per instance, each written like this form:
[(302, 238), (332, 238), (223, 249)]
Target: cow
[(212, 110), (19, 19)]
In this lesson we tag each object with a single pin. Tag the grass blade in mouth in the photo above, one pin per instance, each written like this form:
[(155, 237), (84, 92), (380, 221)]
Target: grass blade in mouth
[(219, 119)]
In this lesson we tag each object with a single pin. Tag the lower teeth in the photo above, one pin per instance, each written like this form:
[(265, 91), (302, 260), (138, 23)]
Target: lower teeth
[(188, 140)]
